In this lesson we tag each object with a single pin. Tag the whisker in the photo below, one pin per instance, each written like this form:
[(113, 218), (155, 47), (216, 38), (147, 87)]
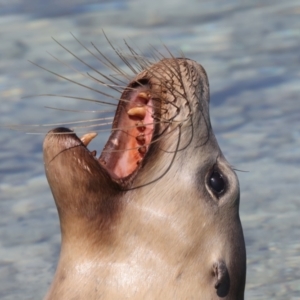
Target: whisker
[(161, 136), (117, 88), (110, 64), (67, 123), (138, 58), (156, 54), (72, 97), (168, 168), (118, 79), (127, 63), (172, 118), (81, 111), (121, 56), (87, 75), (89, 51), (73, 81), (243, 171)]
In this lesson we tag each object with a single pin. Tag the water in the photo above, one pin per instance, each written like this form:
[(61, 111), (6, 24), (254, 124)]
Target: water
[(250, 50)]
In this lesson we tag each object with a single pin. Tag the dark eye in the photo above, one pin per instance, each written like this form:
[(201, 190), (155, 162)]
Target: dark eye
[(217, 182)]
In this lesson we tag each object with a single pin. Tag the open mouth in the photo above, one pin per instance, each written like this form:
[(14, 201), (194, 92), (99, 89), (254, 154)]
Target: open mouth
[(144, 116), (132, 132)]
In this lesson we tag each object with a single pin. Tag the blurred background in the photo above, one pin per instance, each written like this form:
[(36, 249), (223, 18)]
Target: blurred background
[(250, 50)]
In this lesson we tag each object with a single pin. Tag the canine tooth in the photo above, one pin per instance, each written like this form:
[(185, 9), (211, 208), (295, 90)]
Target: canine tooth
[(86, 138), (143, 95), (138, 111), (141, 138)]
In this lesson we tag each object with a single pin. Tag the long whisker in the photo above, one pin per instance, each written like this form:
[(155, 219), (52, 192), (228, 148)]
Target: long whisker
[(115, 85), (109, 64), (142, 63), (81, 111), (72, 97), (118, 88), (73, 81), (88, 76), (168, 168), (67, 123), (164, 84)]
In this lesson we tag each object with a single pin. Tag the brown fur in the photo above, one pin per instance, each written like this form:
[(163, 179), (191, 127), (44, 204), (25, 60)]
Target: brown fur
[(160, 233)]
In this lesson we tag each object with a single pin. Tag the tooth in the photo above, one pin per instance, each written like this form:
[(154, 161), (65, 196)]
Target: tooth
[(115, 142), (140, 126), (142, 150), (86, 138), (141, 138), (138, 111), (143, 95), (102, 161)]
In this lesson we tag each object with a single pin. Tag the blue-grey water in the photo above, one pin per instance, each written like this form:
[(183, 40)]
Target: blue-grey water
[(251, 51)]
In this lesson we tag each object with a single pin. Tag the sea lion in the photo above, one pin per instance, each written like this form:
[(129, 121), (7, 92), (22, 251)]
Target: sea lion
[(156, 216)]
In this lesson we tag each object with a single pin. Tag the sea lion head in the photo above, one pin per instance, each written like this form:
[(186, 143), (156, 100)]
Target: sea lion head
[(156, 216)]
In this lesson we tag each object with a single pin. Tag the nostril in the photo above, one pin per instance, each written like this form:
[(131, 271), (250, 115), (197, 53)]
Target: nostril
[(221, 278)]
